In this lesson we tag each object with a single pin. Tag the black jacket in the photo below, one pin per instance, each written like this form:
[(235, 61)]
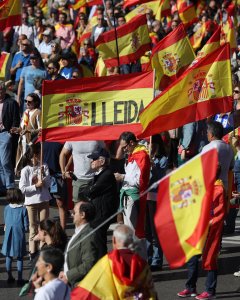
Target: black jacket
[(10, 113), (104, 196)]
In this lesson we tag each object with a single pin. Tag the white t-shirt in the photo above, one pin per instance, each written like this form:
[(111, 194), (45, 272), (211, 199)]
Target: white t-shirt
[(54, 289), (80, 150), (225, 158)]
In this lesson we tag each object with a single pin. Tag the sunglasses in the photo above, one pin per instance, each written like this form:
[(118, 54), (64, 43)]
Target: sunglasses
[(25, 44), (85, 44), (50, 68), (33, 57), (27, 101), (236, 92), (74, 77)]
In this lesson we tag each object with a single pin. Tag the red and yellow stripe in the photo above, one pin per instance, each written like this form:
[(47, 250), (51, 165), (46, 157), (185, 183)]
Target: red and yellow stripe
[(183, 208), (205, 89), (10, 13), (133, 42), (3, 64), (171, 56), (99, 109)]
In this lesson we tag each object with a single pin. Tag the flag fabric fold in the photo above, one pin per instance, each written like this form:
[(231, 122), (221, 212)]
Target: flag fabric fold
[(99, 109), (171, 56), (133, 42), (202, 90), (183, 208), (187, 12), (10, 13), (228, 34), (118, 275), (3, 64)]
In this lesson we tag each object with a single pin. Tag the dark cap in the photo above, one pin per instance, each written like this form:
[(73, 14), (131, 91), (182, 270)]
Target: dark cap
[(67, 55), (99, 152)]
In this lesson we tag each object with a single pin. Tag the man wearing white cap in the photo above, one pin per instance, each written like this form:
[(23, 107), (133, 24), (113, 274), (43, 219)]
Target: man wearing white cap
[(45, 46)]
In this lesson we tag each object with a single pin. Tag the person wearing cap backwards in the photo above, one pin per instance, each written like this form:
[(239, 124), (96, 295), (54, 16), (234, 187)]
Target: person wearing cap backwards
[(45, 47), (103, 194)]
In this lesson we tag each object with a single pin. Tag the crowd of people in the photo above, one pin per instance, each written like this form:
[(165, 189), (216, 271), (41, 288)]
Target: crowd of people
[(57, 42)]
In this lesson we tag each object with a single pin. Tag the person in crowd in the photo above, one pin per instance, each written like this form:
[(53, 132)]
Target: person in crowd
[(47, 285), (51, 234), (76, 74), (67, 65), (64, 32), (159, 163), (29, 128), (56, 52), (15, 226), (81, 253), (134, 182), (25, 28), (58, 188), (81, 163), (53, 70), (211, 249), (102, 192), (45, 47), (29, 73), (9, 118), (98, 29), (34, 184), (20, 60), (132, 273)]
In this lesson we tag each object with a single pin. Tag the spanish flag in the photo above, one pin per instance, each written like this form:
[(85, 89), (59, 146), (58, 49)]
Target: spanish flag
[(187, 13), (94, 109), (228, 34), (183, 208), (201, 91), (133, 42), (196, 38), (100, 69), (3, 63), (141, 10), (211, 45), (78, 4), (171, 56), (121, 274), (10, 13), (129, 3)]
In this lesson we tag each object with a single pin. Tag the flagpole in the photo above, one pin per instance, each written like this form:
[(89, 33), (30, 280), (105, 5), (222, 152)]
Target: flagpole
[(150, 142), (115, 31)]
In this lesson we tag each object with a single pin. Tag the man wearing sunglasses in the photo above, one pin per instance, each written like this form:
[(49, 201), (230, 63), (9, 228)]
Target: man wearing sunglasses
[(53, 71)]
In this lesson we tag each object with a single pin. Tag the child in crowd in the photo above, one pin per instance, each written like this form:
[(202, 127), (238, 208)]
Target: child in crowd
[(16, 224), (34, 184)]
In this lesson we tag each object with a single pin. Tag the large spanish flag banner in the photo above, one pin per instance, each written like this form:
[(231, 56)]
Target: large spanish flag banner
[(183, 208), (201, 91), (3, 63), (171, 56), (118, 275), (133, 42), (10, 13), (99, 109)]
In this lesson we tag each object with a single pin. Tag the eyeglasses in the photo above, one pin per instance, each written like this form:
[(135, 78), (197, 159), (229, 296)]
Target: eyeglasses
[(236, 92), (50, 68), (25, 44), (86, 44), (27, 101), (74, 76), (125, 147)]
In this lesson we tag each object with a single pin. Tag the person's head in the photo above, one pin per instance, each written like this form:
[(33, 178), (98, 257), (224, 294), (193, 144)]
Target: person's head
[(121, 21), (127, 141), (50, 263), (51, 232), (83, 212), (47, 36), (55, 48), (53, 67), (62, 18), (32, 156), (156, 26), (100, 20), (214, 131), (20, 39), (30, 11), (26, 46), (236, 93), (2, 90), (149, 13), (123, 237), (35, 58), (108, 4), (82, 19), (174, 24), (87, 44), (15, 196), (100, 159), (24, 18), (33, 101), (66, 59)]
